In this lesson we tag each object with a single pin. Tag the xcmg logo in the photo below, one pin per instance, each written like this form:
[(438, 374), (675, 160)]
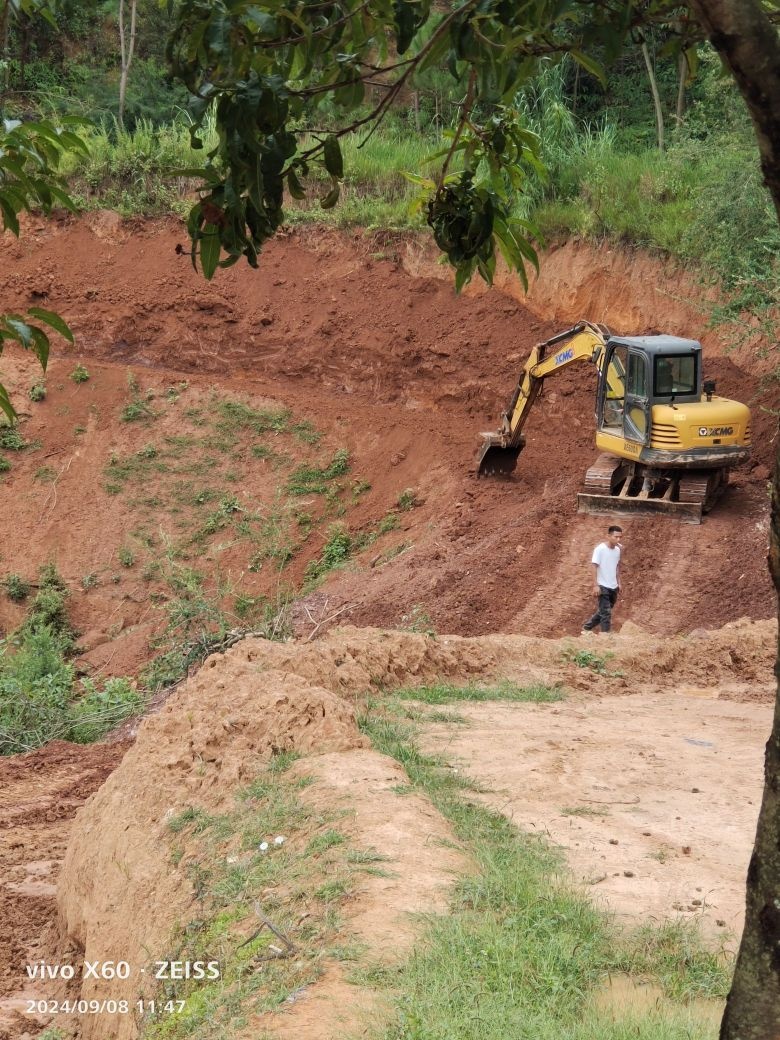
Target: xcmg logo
[(716, 431), (565, 355)]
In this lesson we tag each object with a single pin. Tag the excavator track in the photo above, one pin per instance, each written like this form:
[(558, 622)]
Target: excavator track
[(613, 485)]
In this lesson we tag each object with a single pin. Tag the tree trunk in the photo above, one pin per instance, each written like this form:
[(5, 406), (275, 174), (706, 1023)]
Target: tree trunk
[(753, 1005), (749, 45), (126, 46), (659, 114), (682, 74)]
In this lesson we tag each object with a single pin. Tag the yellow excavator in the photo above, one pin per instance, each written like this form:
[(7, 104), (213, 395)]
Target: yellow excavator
[(667, 440)]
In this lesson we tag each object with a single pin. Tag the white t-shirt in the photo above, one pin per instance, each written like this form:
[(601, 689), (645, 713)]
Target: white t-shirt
[(606, 561)]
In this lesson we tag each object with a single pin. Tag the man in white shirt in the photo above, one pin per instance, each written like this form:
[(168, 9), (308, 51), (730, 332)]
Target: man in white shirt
[(606, 563)]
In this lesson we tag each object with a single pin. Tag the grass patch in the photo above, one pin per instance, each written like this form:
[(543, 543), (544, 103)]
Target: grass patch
[(40, 697), (522, 954), (79, 374), (234, 866), (589, 659), (446, 693), (314, 480)]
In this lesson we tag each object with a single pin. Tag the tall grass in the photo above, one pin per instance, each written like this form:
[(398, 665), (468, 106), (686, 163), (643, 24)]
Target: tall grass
[(702, 201)]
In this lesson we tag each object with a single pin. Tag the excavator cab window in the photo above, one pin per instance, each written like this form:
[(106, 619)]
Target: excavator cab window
[(675, 374), (615, 396)]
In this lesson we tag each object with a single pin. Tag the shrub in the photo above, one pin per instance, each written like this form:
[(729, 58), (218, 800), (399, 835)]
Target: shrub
[(407, 500), (98, 711), (126, 556), (37, 392), (79, 374), (16, 588)]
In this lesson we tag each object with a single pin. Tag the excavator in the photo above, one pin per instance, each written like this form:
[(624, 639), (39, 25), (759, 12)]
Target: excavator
[(667, 440)]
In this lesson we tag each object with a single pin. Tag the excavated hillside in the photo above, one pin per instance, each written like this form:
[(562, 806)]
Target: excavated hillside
[(394, 369), (292, 450)]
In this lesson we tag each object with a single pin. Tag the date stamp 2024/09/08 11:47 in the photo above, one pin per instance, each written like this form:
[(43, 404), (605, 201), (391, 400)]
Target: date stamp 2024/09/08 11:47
[(108, 970)]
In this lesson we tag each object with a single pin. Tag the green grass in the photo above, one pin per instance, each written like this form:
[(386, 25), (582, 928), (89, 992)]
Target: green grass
[(299, 885), (40, 696), (314, 480), (523, 954), (446, 693)]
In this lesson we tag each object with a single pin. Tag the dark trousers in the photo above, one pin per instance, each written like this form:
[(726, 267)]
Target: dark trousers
[(603, 615)]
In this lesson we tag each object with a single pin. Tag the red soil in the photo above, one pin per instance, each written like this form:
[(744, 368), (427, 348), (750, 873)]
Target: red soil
[(403, 373)]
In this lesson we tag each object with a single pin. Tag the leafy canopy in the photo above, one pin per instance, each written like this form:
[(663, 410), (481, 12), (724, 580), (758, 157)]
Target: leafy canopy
[(274, 73), (29, 180)]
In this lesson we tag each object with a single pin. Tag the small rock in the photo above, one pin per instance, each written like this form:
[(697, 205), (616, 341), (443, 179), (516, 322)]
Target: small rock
[(720, 924), (695, 790), (613, 841), (696, 902), (686, 850), (628, 873), (646, 833)]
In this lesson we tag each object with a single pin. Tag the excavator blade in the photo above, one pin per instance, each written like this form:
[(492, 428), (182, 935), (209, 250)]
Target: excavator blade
[(497, 459), (613, 485)]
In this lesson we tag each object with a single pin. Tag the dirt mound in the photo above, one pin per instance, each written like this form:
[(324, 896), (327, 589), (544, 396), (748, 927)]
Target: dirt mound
[(212, 735), (40, 793)]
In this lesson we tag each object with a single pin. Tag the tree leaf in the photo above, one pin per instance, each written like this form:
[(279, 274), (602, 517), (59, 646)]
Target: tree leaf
[(330, 200), (53, 320), (331, 153), (5, 404), (210, 248)]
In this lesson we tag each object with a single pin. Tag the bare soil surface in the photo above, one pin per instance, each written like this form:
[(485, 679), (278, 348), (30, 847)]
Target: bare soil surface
[(653, 799), (156, 473)]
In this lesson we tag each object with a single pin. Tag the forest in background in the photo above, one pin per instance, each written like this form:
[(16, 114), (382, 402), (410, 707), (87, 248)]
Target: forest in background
[(662, 157)]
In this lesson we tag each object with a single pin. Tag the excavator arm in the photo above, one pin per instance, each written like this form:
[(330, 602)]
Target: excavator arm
[(583, 342)]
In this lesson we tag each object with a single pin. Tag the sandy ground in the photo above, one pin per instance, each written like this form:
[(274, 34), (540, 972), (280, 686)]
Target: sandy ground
[(653, 799)]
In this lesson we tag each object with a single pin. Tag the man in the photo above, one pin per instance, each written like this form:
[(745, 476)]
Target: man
[(606, 560)]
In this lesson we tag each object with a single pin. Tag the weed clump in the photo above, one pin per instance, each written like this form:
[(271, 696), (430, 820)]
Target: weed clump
[(335, 553), (37, 392), (16, 588), (314, 480), (79, 374), (12, 440), (40, 698)]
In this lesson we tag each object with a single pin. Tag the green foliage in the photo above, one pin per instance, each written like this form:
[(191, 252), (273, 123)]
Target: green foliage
[(314, 480), (446, 693), (335, 553), (37, 391), (407, 500), (40, 699), (11, 439), (96, 710), (126, 556), (5, 465), (246, 66), (138, 410), (16, 588), (79, 374)]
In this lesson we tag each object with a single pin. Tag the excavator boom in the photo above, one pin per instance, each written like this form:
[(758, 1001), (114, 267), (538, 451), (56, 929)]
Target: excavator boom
[(500, 450)]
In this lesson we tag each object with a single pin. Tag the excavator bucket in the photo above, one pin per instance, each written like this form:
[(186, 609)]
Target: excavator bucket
[(496, 458)]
